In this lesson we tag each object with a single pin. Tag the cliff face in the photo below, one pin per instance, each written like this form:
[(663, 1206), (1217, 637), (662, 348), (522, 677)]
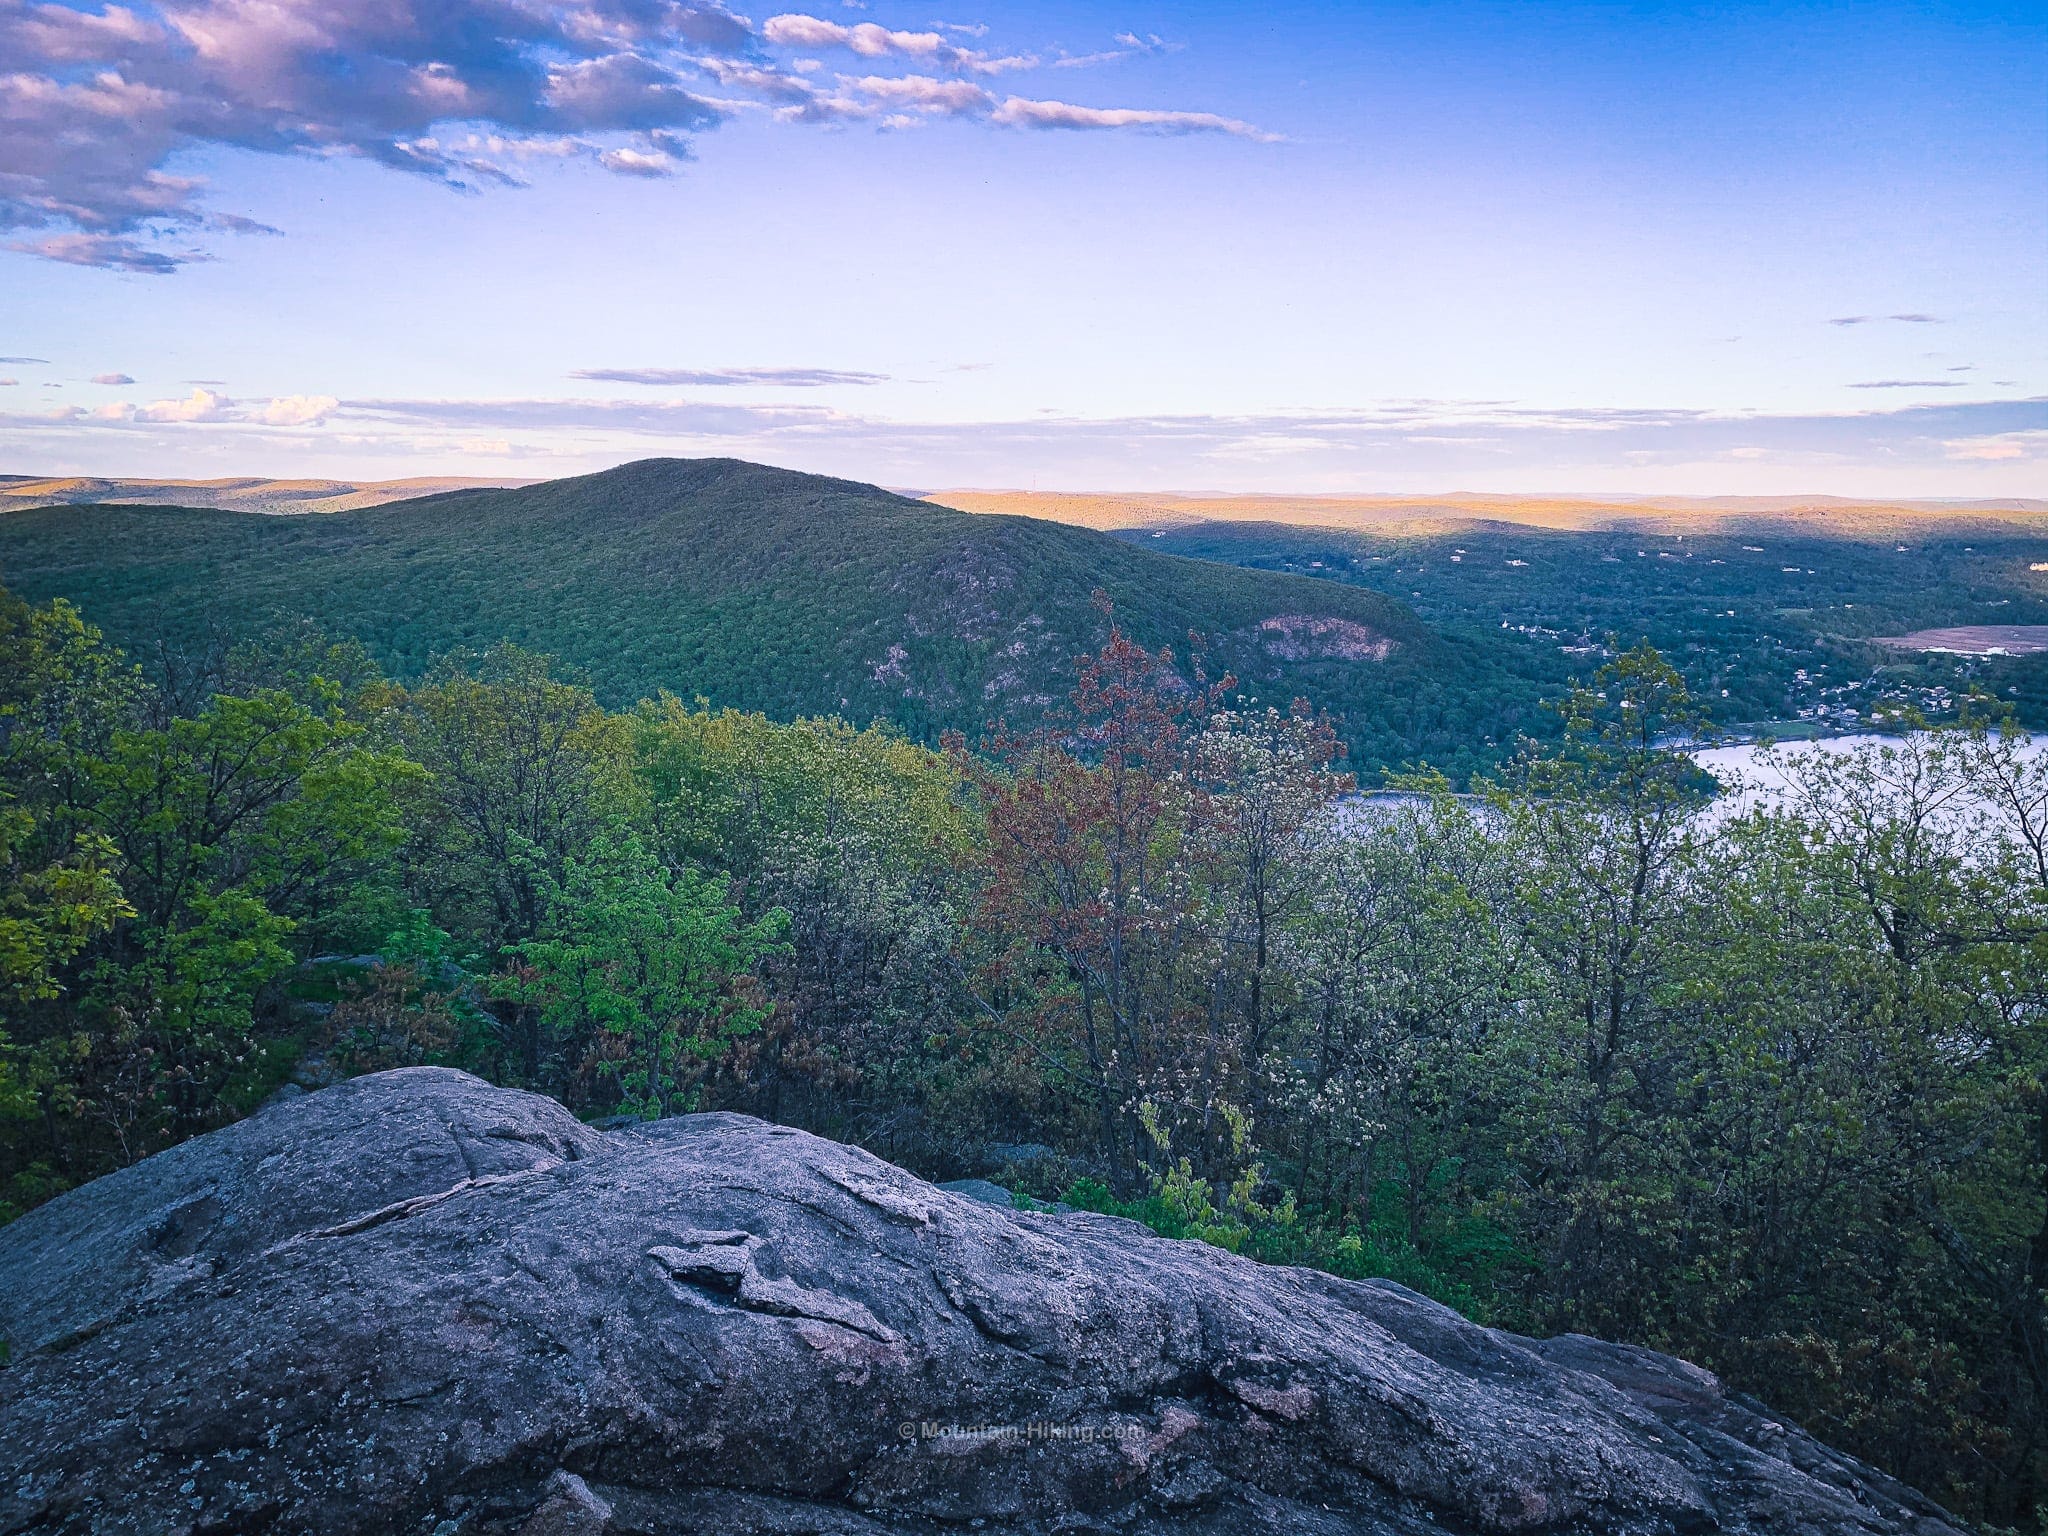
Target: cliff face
[(417, 1303)]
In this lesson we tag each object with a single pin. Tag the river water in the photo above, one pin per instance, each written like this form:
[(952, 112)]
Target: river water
[(1747, 776)]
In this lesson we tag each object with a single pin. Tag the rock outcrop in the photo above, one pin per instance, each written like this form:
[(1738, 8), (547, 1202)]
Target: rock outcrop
[(416, 1303)]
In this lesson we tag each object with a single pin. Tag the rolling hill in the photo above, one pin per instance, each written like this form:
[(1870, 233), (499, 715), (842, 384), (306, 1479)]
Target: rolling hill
[(767, 589), (234, 494), (1803, 516)]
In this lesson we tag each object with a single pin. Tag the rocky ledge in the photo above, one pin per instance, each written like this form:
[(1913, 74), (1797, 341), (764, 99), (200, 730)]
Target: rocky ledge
[(416, 1303)]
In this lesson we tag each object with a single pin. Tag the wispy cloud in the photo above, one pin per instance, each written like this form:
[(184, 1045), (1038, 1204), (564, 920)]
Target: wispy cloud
[(201, 407), (2002, 447), (901, 101), (661, 419), (1451, 439), (1873, 319), (19, 361), (1909, 384), (111, 378), (801, 378), (1958, 448), (293, 411), (871, 41), (1128, 45), (121, 253), (95, 104), (1020, 113)]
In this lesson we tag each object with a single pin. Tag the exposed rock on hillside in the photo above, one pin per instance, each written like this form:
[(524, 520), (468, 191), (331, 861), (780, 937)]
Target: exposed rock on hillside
[(1306, 637), (413, 1302)]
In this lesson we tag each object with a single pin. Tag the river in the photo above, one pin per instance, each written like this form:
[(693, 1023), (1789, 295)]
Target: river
[(1747, 776)]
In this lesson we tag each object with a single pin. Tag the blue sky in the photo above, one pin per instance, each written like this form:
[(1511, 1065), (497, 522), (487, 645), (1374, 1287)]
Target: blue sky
[(1309, 248)]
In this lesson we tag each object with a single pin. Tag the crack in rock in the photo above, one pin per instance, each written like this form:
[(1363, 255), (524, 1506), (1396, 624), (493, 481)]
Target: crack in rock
[(399, 1210), (722, 1263), (884, 1195)]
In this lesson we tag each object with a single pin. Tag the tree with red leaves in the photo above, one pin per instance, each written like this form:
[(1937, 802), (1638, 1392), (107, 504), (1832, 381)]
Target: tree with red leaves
[(1129, 893)]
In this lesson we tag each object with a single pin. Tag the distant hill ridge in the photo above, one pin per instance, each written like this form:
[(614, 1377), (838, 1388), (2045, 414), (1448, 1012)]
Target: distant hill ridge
[(235, 493), (1379, 512), (765, 589), (1846, 517)]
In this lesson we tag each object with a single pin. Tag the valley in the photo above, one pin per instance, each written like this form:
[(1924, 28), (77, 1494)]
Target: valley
[(1773, 625), (1434, 627)]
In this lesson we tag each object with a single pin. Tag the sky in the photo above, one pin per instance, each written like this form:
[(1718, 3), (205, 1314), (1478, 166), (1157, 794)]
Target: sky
[(1542, 247)]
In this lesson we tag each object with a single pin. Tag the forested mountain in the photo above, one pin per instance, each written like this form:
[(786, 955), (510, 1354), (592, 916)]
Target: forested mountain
[(766, 589)]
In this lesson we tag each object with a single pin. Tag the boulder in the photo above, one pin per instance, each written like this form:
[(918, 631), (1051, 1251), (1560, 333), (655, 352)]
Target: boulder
[(416, 1303)]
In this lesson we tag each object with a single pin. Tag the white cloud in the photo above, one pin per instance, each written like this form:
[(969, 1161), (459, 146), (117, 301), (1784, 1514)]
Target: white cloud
[(627, 161), (296, 411), (1017, 112), (1999, 446), (924, 94), (1982, 448), (797, 378), (877, 42), (97, 104), (1128, 45), (200, 405)]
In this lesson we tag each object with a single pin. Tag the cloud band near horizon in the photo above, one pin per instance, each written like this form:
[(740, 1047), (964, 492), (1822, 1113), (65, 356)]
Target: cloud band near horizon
[(1968, 448)]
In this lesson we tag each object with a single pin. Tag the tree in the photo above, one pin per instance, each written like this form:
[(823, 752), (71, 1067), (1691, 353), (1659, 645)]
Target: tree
[(523, 770), (1145, 849), (158, 870), (1101, 954), (642, 972), (1397, 1083), (1602, 829), (861, 837), (61, 691), (1269, 784)]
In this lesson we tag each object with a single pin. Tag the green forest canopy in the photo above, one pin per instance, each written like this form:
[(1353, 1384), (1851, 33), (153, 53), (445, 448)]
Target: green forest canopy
[(1765, 1090)]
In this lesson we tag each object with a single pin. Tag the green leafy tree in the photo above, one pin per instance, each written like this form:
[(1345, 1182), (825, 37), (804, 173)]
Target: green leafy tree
[(237, 830), (1602, 830), (523, 769), (61, 693), (1396, 1086), (645, 971), (160, 870), (860, 836)]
